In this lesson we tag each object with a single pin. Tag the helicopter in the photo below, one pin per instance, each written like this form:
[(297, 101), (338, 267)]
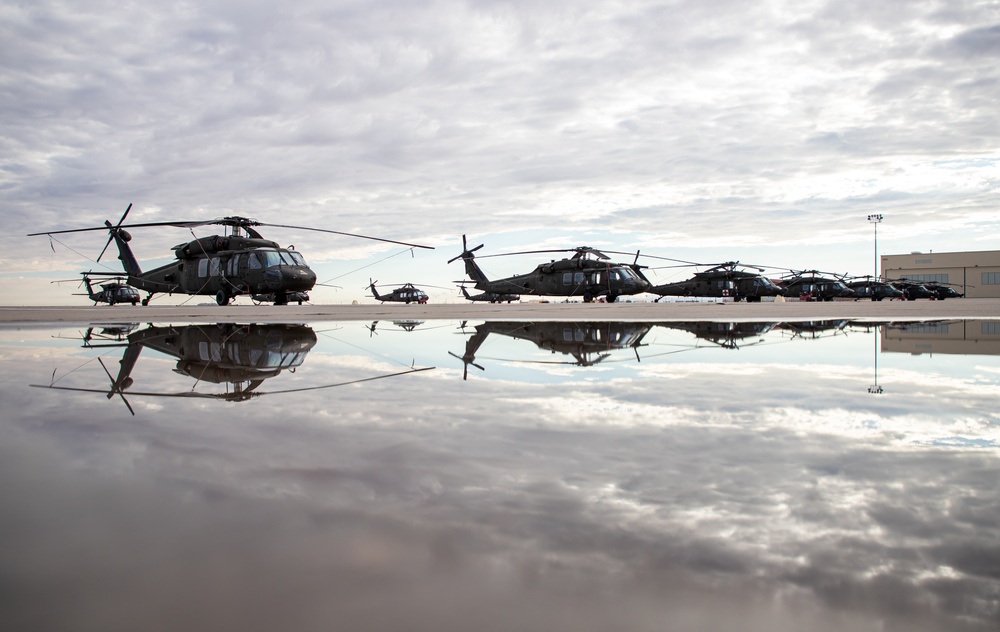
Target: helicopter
[(722, 280), (578, 275), (226, 266), (405, 293), (492, 297), (587, 342), (912, 290), (810, 285), (926, 289), (943, 290), (867, 287), (113, 291)]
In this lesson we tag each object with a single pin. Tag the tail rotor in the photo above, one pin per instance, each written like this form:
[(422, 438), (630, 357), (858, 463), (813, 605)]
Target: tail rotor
[(116, 229)]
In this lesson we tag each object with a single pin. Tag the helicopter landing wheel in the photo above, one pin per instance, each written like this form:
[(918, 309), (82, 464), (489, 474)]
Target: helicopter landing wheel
[(222, 298), (588, 298)]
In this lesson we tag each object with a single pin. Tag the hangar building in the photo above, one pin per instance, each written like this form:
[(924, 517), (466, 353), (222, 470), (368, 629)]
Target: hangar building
[(975, 274)]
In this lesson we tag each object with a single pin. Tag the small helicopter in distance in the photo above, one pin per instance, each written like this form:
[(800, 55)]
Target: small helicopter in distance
[(926, 289), (405, 293), (113, 291), (722, 280), (868, 287), (579, 275), (490, 297), (912, 290), (224, 265), (811, 285)]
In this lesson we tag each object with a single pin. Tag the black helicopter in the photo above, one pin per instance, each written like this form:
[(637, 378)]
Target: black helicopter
[(113, 291), (943, 290), (871, 288), (405, 293), (913, 290), (578, 275), (239, 356), (587, 342), (722, 280), (225, 266), (812, 285), (489, 297), (926, 289)]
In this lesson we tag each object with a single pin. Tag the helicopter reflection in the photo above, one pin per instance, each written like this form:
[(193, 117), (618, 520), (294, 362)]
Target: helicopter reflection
[(587, 342), (724, 334), (239, 356)]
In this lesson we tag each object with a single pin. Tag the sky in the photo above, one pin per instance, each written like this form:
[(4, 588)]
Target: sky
[(704, 131)]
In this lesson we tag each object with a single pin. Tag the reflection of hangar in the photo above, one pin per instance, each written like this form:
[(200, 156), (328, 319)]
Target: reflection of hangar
[(976, 274), (964, 337)]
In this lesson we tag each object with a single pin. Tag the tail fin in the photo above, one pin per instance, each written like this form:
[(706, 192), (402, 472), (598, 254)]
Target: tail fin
[(471, 267), (374, 291)]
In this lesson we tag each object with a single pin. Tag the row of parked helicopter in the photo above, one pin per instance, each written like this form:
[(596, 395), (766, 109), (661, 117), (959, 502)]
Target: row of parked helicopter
[(243, 263)]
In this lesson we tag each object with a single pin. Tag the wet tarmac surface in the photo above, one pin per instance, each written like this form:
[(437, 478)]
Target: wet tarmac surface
[(496, 475)]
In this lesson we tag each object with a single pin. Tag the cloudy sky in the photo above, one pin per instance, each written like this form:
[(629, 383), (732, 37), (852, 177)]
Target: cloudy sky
[(705, 131)]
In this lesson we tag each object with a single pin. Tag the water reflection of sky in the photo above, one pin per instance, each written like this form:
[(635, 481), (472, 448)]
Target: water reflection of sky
[(695, 481)]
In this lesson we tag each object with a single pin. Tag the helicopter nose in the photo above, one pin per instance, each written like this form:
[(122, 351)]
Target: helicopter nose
[(299, 279)]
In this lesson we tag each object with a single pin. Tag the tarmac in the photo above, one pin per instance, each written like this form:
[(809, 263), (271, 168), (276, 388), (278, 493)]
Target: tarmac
[(881, 311)]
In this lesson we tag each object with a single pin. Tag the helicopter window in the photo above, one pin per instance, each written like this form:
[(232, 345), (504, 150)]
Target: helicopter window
[(209, 353), (567, 278), (203, 268), (578, 278), (271, 258), (253, 262), (298, 259), (215, 269)]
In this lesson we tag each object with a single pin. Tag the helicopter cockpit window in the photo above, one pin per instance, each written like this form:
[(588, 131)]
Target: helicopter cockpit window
[(578, 278), (273, 258)]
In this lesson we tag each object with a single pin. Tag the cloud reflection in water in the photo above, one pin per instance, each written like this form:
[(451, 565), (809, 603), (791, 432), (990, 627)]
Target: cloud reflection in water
[(756, 486)]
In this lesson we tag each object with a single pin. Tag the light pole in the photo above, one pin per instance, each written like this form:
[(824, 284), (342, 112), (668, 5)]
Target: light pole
[(875, 219)]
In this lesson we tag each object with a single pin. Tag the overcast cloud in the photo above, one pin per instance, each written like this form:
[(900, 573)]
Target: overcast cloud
[(780, 125)]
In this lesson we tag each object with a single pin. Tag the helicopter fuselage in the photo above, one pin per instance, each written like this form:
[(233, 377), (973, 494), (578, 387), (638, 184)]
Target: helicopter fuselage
[(406, 294), (738, 285), (815, 288), (226, 267), (571, 277)]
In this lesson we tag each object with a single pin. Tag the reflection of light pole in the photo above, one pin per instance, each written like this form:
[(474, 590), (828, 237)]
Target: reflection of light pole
[(875, 218), (875, 389)]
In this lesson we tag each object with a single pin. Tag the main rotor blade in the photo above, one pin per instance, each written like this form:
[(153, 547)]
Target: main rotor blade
[(527, 252), (337, 232), (141, 225)]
